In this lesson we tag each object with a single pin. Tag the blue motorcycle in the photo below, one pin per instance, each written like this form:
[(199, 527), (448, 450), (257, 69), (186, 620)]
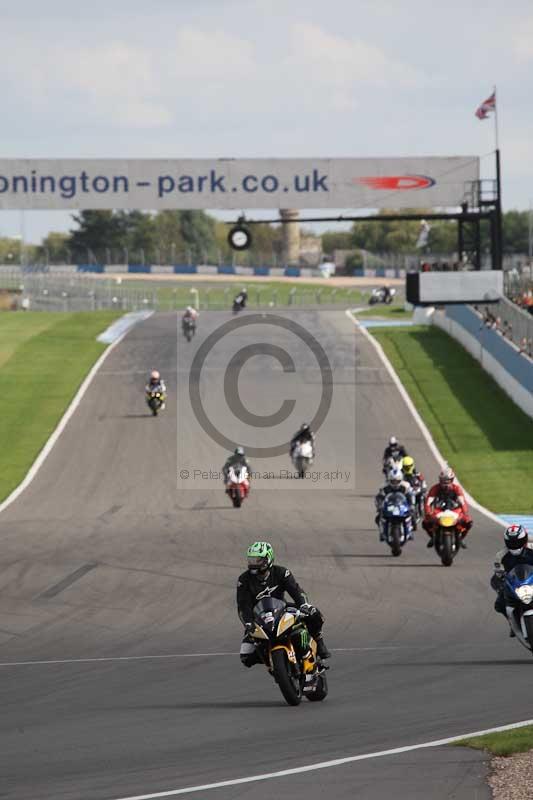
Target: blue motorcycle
[(518, 595), (396, 521)]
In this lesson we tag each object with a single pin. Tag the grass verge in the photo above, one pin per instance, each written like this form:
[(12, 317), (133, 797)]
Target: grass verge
[(506, 743), (170, 296), (391, 312), (44, 358), (485, 437)]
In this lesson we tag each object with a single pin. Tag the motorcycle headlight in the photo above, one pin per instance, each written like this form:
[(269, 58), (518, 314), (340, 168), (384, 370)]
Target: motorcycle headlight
[(525, 594), (447, 521)]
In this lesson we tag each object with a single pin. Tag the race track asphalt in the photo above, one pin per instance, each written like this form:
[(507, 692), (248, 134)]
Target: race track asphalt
[(110, 554)]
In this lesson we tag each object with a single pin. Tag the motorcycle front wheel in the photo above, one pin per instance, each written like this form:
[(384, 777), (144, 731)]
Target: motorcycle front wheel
[(289, 685), (446, 550), (236, 499), (395, 540)]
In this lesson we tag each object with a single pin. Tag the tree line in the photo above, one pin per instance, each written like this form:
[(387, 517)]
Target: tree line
[(389, 236), (169, 237)]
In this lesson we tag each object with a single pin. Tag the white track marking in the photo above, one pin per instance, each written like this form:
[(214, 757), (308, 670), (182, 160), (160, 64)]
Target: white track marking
[(41, 458), (174, 655), (418, 419), (337, 762)]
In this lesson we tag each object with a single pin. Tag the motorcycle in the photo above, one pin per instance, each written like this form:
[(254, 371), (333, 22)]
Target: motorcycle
[(396, 521), (302, 457), (447, 538), (155, 401), (288, 651), (189, 328), (518, 595), (238, 485), (382, 295), (419, 488), (239, 303)]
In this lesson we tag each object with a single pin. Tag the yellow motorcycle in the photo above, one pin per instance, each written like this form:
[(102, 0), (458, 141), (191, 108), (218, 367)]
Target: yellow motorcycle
[(288, 651), (447, 539), (155, 401)]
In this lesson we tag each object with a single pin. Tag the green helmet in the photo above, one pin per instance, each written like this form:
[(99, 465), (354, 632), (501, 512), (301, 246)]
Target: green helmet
[(260, 557)]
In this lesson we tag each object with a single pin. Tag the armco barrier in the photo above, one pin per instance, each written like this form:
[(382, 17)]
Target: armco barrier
[(207, 269), (91, 268), (185, 269), (139, 269), (511, 370)]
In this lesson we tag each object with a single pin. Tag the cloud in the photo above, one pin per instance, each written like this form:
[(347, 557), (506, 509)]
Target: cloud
[(341, 65), (211, 55), (129, 85), (522, 41)]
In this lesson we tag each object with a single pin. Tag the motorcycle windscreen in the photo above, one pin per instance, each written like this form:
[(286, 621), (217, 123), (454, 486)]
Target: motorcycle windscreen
[(398, 501), (267, 612), (520, 575), (269, 604), (447, 504)]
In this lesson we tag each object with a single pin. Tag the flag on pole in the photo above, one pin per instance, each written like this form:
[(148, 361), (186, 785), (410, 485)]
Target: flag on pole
[(486, 107)]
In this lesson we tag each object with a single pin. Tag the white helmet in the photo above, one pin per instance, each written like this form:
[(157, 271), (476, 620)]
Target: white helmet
[(395, 476), (393, 440), (189, 309), (154, 375)]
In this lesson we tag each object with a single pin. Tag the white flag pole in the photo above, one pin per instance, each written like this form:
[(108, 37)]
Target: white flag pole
[(496, 136)]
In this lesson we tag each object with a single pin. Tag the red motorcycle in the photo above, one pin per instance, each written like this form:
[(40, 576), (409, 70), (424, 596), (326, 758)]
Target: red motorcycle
[(238, 485)]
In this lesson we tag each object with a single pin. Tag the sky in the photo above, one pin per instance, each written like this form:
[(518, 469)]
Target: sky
[(260, 78)]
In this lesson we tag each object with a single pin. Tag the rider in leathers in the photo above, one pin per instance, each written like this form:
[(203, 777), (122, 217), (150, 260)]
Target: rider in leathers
[(305, 434), (237, 459), (416, 480), (264, 579), (394, 450), (446, 489), (156, 384), (395, 483), (191, 314), (515, 552)]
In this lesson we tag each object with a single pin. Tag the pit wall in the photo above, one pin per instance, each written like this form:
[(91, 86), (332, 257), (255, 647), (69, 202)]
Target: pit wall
[(512, 370)]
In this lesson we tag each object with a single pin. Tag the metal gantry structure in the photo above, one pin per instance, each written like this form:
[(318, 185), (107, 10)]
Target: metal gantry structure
[(482, 204)]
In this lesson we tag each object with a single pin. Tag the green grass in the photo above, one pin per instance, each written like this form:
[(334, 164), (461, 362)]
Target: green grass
[(485, 437), (44, 357), (173, 295), (518, 740), (385, 312)]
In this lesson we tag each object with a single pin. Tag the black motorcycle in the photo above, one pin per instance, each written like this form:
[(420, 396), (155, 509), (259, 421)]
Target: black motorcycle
[(189, 328), (239, 303), (419, 488)]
